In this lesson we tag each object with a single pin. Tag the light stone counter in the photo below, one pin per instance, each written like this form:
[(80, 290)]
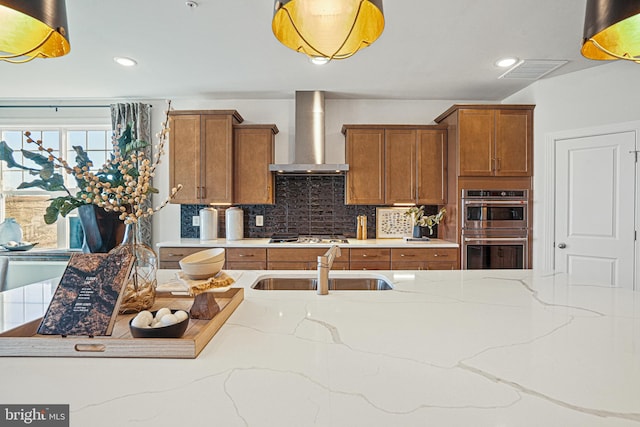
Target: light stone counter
[(444, 348), (264, 243)]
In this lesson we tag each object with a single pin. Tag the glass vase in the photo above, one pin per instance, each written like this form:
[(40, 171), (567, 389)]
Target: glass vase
[(140, 291)]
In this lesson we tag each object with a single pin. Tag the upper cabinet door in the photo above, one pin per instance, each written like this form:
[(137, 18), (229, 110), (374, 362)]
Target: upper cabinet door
[(432, 167), (217, 161), (514, 147), (400, 166), (495, 142), (184, 157), (253, 147), (476, 142), (201, 155), (364, 152)]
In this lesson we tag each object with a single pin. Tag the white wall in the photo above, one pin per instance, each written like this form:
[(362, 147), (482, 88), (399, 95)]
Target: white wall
[(602, 95)]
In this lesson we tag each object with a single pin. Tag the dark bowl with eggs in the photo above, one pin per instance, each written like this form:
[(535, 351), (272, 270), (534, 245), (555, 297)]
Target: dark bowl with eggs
[(172, 331)]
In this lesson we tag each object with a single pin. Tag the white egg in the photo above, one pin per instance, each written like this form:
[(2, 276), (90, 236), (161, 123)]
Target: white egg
[(142, 318), (158, 325), (169, 319), (146, 314), (162, 312), (140, 322), (181, 315)]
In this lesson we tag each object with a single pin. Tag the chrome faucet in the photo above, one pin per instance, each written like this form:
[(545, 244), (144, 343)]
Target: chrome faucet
[(324, 265)]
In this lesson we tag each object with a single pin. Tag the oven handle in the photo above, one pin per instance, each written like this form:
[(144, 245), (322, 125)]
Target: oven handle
[(496, 239), (495, 202)]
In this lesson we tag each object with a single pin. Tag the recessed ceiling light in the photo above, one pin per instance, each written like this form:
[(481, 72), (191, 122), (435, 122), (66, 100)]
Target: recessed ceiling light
[(124, 61), (191, 4), (506, 62), (319, 60)]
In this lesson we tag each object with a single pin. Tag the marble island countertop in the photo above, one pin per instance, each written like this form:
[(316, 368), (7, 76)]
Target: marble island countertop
[(353, 243), (444, 348)]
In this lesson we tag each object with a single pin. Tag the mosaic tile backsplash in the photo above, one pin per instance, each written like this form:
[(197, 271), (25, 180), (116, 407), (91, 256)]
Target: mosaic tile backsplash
[(304, 205)]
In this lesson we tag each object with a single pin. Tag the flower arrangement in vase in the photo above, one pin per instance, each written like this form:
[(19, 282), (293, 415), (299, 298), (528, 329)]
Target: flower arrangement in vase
[(419, 219), (122, 186)]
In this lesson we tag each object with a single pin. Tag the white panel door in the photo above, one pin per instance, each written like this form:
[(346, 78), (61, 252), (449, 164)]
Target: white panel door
[(595, 198)]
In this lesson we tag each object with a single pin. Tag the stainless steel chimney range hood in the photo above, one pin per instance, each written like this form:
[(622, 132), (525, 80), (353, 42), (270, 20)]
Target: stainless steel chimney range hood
[(309, 138)]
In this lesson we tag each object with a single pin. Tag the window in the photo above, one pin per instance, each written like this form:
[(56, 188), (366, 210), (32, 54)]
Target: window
[(28, 206)]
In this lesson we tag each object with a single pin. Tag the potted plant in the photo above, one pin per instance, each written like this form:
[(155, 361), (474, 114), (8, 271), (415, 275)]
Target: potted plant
[(119, 189), (419, 219)]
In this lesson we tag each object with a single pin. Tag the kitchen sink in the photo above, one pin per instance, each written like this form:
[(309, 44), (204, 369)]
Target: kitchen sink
[(310, 284)]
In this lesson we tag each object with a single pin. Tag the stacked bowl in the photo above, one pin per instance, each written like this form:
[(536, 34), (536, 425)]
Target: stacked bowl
[(203, 264)]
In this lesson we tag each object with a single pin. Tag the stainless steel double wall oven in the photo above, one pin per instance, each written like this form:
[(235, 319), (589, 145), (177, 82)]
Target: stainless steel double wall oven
[(495, 229)]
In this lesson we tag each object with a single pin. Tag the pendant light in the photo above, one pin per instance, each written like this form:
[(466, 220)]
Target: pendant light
[(612, 30), (327, 29), (33, 29)]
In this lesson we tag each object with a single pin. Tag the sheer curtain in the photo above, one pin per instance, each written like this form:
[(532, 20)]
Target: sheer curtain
[(138, 116)]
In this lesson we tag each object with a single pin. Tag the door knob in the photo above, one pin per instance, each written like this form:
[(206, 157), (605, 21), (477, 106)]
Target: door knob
[(562, 245)]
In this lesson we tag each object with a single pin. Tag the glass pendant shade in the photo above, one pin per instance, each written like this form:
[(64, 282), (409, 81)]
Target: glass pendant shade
[(32, 29), (332, 29), (612, 30)]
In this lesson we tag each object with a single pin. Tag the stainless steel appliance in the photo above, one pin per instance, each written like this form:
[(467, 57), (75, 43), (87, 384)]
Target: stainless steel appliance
[(495, 229), (308, 239)]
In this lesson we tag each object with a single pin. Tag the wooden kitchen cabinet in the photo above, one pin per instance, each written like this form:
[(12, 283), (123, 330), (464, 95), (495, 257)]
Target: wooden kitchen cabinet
[(415, 166), (364, 153), (370, 259), (400, 166), (424, 259), (391, 164), (492, 140), (201, 155), (170, 256), (235, 258), (253, 183), (303, 258), (246, 259)]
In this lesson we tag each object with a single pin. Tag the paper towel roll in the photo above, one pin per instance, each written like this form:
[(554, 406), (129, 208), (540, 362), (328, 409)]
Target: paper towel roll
[(234, 223), (208, 224)]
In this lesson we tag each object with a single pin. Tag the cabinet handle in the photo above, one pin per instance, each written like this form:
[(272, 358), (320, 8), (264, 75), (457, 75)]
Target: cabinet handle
[(204, 193), (403, 255), (245, 255), (369, 256), (174, 255)]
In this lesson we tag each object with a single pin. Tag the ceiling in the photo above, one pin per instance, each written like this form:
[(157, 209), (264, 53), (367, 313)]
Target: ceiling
[(226, 50)]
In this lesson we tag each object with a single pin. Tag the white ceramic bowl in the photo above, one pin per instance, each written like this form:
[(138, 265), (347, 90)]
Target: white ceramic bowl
[(205, 256), (203, 264)]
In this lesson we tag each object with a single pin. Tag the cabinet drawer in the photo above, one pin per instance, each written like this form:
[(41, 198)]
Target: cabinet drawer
[(177, 253), (422, 254), (410, 265), (246, 254), (443, 266), (303, 254), (173, 265), (370, 265), (245, 265), (370, 254), (424, 265), (303, 265)]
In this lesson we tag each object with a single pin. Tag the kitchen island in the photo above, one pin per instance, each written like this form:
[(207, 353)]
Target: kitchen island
[(445, 348)]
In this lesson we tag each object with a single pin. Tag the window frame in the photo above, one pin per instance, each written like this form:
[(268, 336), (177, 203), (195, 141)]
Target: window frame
[(35, 125)]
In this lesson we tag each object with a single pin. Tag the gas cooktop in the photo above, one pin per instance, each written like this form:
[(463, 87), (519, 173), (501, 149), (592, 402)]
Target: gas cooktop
[(314, 238)]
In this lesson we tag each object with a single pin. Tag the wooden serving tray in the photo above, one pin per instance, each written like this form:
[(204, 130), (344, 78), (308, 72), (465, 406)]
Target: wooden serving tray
[(24, 340)]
